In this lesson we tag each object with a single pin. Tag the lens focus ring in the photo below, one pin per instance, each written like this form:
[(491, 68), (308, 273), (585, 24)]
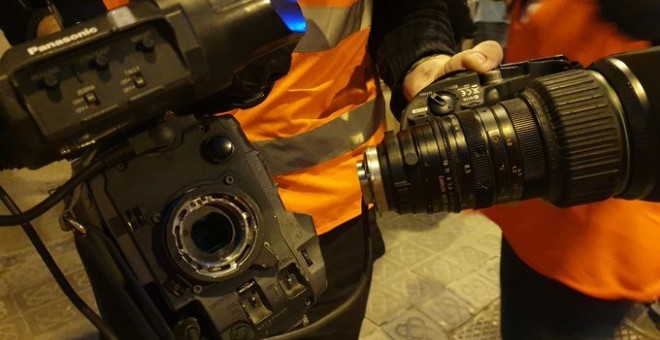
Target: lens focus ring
[(588, 133)]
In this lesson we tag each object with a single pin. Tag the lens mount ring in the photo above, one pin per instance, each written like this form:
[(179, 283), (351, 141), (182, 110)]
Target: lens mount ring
[(371, 180), (211, 236)]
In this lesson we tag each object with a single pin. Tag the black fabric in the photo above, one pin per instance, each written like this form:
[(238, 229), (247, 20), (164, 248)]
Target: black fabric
[(122, 303), (19, 19), (639, 18), (536, 307), (344, 252), (402, 32)]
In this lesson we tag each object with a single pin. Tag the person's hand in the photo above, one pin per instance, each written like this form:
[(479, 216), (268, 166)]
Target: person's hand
[(481, 58)]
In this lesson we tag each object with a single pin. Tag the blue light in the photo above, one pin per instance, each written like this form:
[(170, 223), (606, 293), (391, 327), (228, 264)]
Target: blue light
[(291, 14)]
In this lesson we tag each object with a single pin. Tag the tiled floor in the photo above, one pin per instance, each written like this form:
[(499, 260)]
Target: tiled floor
[(440, 272), (439, 279)]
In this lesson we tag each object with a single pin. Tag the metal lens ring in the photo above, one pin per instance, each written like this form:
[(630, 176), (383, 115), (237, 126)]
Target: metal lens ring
[(213, 235)]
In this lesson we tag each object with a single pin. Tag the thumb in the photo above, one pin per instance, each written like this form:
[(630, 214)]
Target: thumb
[(481, 58)]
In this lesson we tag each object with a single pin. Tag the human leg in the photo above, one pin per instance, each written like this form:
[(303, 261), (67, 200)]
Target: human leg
[(536, 307)]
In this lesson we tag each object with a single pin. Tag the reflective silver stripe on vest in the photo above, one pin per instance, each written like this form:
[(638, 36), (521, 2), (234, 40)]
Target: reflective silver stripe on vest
[(327, 26), (330, 140)]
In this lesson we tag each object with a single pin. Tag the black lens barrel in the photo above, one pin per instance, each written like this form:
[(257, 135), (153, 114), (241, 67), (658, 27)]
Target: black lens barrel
[(562, 139), (587, 131)]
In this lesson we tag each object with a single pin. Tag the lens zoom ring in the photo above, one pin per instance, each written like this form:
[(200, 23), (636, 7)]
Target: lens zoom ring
[(531, 145), (483, 174), (588, 136)]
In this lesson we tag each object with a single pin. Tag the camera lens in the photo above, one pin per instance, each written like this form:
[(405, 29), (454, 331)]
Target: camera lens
[(211, 236), (562, 139)]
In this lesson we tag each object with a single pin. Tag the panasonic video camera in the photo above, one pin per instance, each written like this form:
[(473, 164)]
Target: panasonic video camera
[(177, 221), (546, 128)]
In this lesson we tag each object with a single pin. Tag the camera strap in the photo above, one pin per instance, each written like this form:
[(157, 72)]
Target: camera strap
[(123, 303)]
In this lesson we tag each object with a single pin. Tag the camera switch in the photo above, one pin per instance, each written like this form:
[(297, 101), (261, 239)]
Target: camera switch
[(138, 80), (50, 81), (91, 98), (101, 62)]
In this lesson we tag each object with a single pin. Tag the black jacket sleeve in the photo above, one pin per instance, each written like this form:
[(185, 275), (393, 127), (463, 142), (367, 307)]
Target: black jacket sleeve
[(638, 18), (403, 31)]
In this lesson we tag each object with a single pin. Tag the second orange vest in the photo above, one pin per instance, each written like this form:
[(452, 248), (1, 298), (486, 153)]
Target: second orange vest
[(609, 249)]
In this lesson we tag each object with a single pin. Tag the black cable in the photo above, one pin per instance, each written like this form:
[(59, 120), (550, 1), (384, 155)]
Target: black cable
[(112, 157), (362, 285), (52, 200), (52, 266)]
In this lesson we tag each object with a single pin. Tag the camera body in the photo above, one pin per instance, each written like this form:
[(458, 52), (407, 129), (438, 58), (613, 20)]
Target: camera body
[(199, 223)]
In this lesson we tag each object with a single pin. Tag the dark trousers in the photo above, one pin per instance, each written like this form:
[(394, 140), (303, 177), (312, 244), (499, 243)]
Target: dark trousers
[(344, 253), (536, 307)]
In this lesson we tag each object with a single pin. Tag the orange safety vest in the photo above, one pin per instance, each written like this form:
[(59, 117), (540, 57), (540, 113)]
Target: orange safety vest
[(611, 249), (112, 4), (318, 119)]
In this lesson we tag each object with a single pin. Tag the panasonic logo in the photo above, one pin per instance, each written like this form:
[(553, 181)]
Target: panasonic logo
[(32, 50)]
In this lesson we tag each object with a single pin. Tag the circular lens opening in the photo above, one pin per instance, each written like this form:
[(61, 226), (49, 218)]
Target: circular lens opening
[(212, 232)]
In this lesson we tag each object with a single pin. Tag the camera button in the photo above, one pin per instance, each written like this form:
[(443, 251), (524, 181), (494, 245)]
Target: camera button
[(50, 81)]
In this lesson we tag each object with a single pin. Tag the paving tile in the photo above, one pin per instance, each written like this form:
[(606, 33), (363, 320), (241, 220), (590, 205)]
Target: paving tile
[(438, 239), (4, 284), (416, 289), (391, 238), (415, 224), (414, 325), (476, 290), (448, 310), (385, 269), (37, 296), (475, 221), (25, 275), (378, 334), (72, 330), (15, 329), (441, 269), (467, 256), (489, 243), (408, 254), (8, 309), (51, 317), (384, 305), (491, 270), (367, 328), (484, 326)]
